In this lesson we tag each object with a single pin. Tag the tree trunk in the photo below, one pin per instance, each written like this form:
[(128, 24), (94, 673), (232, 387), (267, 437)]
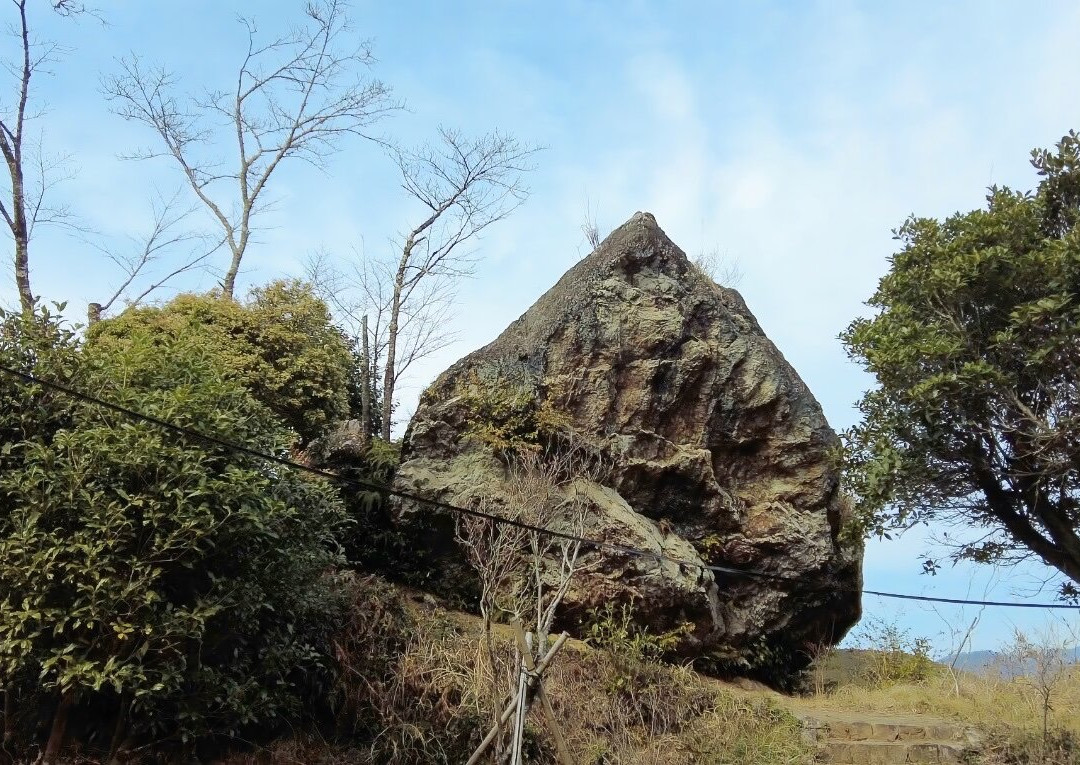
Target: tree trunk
[(22, 273), (21, 234), (365, 391), (119, 730), (228, 284), (13, 152), (59, 729), (9, 717), (1004, 509), (1063, 533), (388, 371), (391, 340)]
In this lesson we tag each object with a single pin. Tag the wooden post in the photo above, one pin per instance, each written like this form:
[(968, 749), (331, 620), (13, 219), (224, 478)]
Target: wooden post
[(506, 715), (518, 738), (545, 702), (365, 391), (511, 708)]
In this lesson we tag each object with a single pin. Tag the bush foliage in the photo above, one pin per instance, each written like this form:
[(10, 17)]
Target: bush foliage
[(149, 583), (280, 345)]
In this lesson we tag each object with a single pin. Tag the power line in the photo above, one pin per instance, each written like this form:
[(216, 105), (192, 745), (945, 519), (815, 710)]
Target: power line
[(390, 491)]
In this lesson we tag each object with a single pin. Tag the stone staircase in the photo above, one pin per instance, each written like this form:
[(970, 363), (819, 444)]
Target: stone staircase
[(854, 739)]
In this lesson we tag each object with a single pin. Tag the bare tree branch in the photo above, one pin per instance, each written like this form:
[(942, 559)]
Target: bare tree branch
[(720, 267), (294, 96), (48, 173), (365, 292), (25, 203), (166, 235), (464, 185)]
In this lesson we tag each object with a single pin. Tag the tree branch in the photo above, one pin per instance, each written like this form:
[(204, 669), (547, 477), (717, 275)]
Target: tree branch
[(292, 97)]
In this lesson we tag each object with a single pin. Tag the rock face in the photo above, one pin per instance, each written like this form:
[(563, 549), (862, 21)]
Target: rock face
[(714, 451)]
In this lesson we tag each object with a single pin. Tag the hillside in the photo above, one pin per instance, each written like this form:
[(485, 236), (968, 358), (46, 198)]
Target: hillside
[(616, 701), (995, 661)]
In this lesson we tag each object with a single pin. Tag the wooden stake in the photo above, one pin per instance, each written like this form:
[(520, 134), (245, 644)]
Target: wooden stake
[(508, 712), (365, 392), (523, 707), (545, 703)]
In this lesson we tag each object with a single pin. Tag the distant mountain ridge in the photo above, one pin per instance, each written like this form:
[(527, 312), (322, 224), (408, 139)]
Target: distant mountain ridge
[(980, 661)]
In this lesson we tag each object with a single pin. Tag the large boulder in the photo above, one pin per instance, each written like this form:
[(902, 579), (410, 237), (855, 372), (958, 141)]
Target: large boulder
[(714, 452)]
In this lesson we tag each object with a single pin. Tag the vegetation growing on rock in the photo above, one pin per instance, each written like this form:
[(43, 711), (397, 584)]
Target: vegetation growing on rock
[(508, 415)]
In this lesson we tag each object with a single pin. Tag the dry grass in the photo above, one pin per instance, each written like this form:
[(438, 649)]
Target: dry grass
[(1008, 710), (420, 687), (437, 700), (669, 715), (981, 700), (662, 714)]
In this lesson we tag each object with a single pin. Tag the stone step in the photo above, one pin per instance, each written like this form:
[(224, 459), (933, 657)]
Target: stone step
[(841, 752), (887, 730)]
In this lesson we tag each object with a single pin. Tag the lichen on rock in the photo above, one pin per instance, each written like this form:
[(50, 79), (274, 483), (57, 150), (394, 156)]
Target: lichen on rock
[(715, 451)]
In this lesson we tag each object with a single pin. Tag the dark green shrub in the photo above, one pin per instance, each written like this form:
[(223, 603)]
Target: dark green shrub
[(181, 591)]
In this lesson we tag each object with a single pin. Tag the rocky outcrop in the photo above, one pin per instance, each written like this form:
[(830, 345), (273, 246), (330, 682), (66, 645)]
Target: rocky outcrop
[(342, 444), (714, 451)]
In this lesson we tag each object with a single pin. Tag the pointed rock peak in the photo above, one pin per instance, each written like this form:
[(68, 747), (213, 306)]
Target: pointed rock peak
[(710, 449), (637, 244), (641, 227), (644, 219)]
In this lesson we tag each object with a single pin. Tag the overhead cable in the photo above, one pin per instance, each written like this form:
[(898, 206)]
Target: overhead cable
[(597, 544)]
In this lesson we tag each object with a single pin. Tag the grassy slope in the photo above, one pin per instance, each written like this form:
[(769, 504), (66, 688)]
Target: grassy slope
[(1005, 705), (433, 703), (426, 696)]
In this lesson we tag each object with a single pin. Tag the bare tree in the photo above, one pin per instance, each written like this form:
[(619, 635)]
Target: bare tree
[(361, 298), (1042, 664), (464, 185), (821, 655), (495, 552), (961, 631), (167, 234), (31, 173), (295, 96), (525, 574), (965, 634)]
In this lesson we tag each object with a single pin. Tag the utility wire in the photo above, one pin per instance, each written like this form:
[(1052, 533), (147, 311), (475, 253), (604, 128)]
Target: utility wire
[(390, 491)]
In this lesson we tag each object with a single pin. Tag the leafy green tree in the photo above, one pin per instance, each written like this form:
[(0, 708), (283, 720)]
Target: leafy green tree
[(280, 344), (184, 587), (31, 342), (975, 346)]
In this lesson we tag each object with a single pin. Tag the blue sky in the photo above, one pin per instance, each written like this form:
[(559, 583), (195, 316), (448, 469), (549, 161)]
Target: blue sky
[(792, 136)]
